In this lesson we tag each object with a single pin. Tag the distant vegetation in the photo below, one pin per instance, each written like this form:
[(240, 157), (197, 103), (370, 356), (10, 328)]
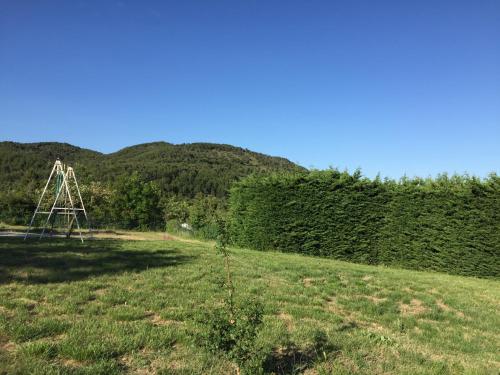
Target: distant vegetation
[(449, 224), (137, 187)]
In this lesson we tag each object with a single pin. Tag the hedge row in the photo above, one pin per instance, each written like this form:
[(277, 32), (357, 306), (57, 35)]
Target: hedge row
[(449, 224)]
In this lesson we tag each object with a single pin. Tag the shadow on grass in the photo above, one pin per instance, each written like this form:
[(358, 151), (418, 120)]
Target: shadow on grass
[(59, 260), (294, 360)]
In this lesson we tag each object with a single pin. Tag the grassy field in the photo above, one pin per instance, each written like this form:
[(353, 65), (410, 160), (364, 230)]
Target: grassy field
[(116, 306)]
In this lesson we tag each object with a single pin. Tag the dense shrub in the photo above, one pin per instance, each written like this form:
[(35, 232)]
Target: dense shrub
[(449, 224)]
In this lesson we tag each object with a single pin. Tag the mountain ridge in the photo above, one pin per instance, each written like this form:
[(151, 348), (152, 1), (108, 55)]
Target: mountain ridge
[(184, 169)]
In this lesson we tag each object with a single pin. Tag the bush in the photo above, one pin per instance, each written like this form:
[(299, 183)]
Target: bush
[(232, 329), (233, 332)]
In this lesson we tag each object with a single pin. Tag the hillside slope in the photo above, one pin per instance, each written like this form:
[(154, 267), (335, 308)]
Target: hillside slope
[(135, 307), (184, 169)]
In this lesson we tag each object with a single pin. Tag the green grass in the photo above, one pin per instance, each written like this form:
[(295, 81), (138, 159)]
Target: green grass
[(111, 306)]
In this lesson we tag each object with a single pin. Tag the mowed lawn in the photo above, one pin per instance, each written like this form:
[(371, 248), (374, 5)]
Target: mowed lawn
[(115, 306)]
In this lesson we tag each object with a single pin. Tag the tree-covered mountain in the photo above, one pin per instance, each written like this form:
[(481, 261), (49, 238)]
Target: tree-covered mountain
[(184, 169)]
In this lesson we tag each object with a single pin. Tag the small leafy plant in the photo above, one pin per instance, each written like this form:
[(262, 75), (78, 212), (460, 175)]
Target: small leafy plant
[(232, 328)]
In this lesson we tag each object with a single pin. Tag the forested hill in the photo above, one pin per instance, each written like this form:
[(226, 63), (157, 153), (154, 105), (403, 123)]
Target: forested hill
[(183, 169)]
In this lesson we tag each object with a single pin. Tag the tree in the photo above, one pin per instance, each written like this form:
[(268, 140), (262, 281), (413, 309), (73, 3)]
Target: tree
[(135, 204)]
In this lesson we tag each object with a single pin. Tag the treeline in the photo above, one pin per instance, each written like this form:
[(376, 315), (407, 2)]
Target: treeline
[(449, 224), (129, 203), (138, 187), (184, 170)]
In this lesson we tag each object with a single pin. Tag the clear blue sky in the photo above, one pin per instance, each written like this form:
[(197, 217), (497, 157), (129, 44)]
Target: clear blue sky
[(397, 87)]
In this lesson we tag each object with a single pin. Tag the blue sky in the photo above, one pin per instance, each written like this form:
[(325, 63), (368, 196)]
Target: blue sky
[(396, 87)]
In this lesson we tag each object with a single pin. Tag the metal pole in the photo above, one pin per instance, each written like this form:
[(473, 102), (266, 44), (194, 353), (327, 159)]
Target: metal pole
[(81, 200), (51, 210), (41, 197), (72, 206)]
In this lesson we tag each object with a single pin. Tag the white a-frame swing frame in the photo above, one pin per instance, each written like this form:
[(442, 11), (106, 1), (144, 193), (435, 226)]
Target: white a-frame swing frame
[(64, 204)]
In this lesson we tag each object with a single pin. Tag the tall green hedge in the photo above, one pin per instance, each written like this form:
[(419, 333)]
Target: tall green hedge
[(449, 224)]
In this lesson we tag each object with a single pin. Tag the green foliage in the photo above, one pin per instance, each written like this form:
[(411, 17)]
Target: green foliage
[(182, 180), (175, 209), (234, 334), (184, 170), (204, 212), (136, 203), (98, 200), (201, 213), (449, 224), (16, 207), (232, 329)]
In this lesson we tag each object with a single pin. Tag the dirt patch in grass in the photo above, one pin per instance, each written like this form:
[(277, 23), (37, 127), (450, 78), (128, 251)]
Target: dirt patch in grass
[(157, 320), (58, 338), (377, 327), (5, 311), (310, 281), (145, 371), (7, 346), (175, 365), (349, 317), (343, 279), (333, 306), (72, 363), (367, 277), (127, 360), (417, 330), (415, 307), (287, 319), (121, 236), (29, 303), (443, 306), (376, 300), (141, 236), (100, 292), (307, 282)]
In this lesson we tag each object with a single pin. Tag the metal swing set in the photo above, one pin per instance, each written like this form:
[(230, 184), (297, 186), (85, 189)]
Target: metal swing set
[(63, 204)]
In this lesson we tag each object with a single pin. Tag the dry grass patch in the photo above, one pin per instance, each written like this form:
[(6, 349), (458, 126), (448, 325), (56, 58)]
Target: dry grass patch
[(416, 307), (5, 311), (333, 306), (376, 300), (287, 319), (344, 280), (100, 292), (447, 308), (73, 363), (8, 346), (310, 281), (157, 320), (377, 327)]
